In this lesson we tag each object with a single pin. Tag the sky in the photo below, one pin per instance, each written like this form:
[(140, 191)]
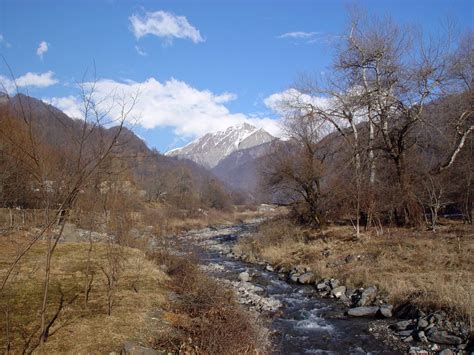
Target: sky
[(197, 66)]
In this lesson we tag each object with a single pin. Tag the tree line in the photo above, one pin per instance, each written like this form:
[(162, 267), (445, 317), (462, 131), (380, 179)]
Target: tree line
[(384, 137)]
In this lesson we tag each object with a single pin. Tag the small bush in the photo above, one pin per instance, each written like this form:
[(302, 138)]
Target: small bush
[(210, 320)]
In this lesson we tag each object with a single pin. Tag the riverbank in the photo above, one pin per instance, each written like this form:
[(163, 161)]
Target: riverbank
[(299, 320), (118, 294), (419, 273)]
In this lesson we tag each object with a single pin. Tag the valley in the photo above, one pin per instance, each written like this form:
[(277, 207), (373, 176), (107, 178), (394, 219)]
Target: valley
[(233, 178)]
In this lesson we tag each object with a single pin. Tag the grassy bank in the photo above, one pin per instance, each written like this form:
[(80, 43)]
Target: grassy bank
[(79, 327), (432, 270), (157, 300)]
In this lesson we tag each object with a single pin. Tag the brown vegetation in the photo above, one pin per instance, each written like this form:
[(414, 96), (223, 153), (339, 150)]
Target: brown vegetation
[(400, 113), (77, 328), (433, 270), (206, 314)]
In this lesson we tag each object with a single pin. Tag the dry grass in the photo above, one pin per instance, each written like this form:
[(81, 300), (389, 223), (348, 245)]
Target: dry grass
[(79, 329), (433, 270), (167, 222), (207, 315)]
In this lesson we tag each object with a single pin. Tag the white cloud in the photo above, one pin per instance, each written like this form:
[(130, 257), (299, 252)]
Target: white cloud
[(292, 99), (4, 42), (310, 37), (28, 80), (164, 24), (140, 51), (70, 105), (298, 34), (42, 49), (189, 111)]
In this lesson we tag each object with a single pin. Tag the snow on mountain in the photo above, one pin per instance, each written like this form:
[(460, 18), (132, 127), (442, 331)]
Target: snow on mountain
[(211, 148)]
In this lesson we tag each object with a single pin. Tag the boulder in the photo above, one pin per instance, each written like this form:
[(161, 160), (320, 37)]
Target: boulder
[(323, 286), (363, 311), (244, 276), (367, 297), (306, 278), (339, 291), (443, 337), (386, 310), (333, 283)]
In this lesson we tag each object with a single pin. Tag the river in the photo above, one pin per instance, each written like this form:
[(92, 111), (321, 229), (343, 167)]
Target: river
[(305, 323)]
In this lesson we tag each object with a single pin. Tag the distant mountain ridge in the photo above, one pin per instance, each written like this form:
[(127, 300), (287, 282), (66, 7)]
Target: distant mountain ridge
[(212, 148)]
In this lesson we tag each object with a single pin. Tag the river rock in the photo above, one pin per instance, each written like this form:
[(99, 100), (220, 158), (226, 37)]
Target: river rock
[(405, 333), (294, 277), (130, 348), (323, 286), (244, 276), (422, 323), (363, 311), (422, 337), (386, 310), (403, 325), (446, 352), (339, 291), (333, 283), (367, 297), (443, 337), (415, 350), (306, 278), (269, 268)]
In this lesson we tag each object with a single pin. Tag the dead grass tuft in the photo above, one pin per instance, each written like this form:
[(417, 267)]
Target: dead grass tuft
[(205, 312)]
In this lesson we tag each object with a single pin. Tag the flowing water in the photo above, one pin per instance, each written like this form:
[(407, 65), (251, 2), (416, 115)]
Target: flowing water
[(306, 323)]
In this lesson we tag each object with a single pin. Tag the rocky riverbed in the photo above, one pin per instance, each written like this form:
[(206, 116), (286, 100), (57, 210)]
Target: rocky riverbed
[(302, 321)]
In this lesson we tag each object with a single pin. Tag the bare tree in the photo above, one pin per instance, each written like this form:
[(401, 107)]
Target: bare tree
[(297, 167), (90, 146)]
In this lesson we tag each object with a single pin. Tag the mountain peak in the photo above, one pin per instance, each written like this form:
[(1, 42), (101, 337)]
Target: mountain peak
[(211, 148)]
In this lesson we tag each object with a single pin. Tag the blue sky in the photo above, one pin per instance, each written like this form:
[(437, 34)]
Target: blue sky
[(200, 65)]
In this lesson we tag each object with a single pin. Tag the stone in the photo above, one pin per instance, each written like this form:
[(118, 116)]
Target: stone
[(408, 339), (269, 268), (357, 351), (386, 310), (244, 276), (446, 352), (422, 337), (403, 325), (306, 278), (323, 287), (405, 333), (435, 347), (422, 323), (363, 311), (339, 291), (415, 350), (367, 297), (294, 277), (130, 348), (443, 337), (333, 283)]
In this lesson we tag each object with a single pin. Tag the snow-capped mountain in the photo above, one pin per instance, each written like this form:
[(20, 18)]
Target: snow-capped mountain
[(211, 148)]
